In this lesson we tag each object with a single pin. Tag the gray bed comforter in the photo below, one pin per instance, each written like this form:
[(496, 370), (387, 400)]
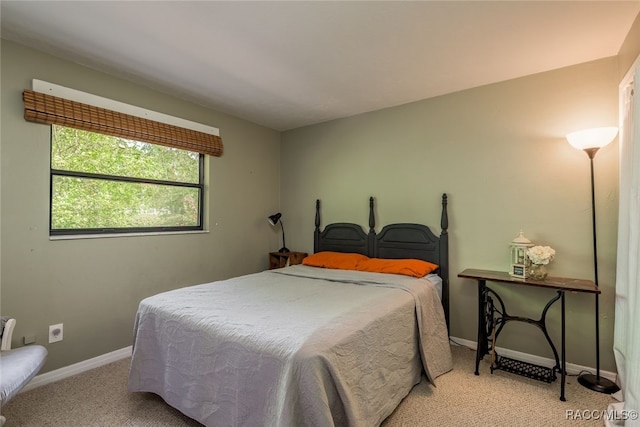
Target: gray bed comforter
[(299, 346)]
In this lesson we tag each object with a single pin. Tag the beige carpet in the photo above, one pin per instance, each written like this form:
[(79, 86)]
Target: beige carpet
[(100, 398)]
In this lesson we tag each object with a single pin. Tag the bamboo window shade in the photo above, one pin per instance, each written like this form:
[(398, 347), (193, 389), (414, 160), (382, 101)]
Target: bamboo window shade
[(49, 109)]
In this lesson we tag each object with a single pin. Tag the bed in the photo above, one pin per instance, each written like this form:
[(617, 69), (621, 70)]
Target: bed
[(302, 345)]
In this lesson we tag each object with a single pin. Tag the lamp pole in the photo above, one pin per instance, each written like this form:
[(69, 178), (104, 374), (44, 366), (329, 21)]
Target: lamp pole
[(596, 382), (283, 249)]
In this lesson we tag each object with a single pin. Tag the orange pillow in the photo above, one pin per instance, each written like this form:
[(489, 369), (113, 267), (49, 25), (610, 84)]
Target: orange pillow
[(338, 260), (408, 267)]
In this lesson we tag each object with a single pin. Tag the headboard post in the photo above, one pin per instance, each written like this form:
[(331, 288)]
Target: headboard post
[(444, 220), (316, 233), (444, 258), (372, 231)]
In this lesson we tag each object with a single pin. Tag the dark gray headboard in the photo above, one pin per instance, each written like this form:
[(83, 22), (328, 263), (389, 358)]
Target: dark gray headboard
[(394, 241)]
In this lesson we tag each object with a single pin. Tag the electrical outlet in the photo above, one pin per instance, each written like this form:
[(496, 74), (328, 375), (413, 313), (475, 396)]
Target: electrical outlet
[(29, 339), (55, 333)]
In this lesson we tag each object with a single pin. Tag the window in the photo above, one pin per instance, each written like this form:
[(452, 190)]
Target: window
[(108, 184), (118, 168)]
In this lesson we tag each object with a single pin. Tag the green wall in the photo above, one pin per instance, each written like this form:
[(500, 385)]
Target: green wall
[(93, 286), (500, 153)]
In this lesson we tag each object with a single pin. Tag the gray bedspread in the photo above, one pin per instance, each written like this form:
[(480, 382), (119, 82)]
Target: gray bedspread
[(299, 346)]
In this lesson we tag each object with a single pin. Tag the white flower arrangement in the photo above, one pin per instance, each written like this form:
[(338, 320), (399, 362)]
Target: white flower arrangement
[(541, 255)]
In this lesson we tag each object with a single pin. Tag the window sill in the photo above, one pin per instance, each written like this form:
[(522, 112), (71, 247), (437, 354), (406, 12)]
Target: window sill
[(112, 235)]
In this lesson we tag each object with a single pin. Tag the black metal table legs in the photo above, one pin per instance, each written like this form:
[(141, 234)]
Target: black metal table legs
[(482, 341), (491, 321)]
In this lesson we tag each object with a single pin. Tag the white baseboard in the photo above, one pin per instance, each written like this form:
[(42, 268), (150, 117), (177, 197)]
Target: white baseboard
[(572, 369), (77, 368), (123, 353)]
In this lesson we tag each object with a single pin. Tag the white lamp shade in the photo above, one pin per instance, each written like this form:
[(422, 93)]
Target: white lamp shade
[(592, 138)]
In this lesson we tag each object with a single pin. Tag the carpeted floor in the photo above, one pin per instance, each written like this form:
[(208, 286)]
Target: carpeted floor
[(100, 398)]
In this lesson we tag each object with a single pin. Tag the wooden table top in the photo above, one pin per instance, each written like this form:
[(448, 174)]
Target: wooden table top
[(551, 282)]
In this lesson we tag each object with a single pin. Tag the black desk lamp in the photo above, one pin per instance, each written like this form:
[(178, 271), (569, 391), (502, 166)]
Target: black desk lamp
[(591, 140), (273, 220)]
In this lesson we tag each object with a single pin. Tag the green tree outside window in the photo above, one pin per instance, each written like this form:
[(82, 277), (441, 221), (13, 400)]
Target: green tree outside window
[(101, 183)]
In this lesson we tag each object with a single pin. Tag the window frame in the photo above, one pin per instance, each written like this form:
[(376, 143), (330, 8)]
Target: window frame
[(119, 178)]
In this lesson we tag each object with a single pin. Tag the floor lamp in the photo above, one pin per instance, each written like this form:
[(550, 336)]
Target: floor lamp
[(591, 140)]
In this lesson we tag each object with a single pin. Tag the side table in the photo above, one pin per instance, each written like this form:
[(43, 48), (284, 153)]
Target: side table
[(490, 326), (283, 259)]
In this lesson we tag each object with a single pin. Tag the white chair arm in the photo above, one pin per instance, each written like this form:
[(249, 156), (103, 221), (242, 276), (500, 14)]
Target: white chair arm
[(7, 334)]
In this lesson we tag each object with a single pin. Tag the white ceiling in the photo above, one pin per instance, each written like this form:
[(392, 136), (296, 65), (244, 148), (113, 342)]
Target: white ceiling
[(289, 64)]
